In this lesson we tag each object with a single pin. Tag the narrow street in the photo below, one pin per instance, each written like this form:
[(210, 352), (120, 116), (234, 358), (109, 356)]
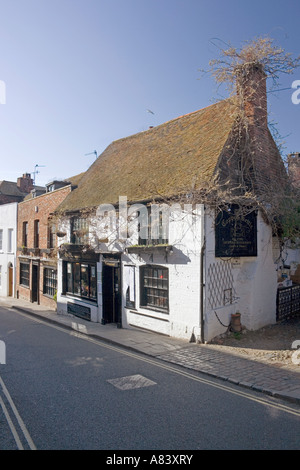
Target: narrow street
[(62, 391)]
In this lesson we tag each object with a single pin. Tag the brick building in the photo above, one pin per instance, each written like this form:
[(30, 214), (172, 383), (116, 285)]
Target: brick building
[(36, 276)]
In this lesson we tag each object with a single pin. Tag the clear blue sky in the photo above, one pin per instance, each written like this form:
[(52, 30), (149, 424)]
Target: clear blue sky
[(82, 73)]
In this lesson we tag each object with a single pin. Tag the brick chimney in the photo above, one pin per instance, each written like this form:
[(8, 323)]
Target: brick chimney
[(293, 161), (25, 183), (252, 90), (263, 168)]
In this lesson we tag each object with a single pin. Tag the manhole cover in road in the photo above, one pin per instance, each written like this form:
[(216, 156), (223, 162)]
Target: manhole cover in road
[(131, 381)]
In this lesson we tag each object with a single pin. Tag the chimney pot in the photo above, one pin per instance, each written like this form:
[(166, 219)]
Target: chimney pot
[(25, 183)]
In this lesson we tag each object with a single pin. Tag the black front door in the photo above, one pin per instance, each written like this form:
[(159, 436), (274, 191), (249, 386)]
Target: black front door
[(111, 294), (35, 283)]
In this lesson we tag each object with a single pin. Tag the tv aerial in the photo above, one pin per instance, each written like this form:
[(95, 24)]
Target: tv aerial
[(36, 171), (94, 152)]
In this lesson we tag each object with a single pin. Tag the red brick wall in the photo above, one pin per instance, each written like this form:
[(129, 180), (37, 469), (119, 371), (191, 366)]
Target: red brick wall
[(251, 145), (39, 208), (294, 168), (25, 183)]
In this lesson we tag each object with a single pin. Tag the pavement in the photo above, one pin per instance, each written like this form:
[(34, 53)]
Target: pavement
[(271, 379)]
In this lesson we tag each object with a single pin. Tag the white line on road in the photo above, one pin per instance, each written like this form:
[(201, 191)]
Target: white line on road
[(18, 417), (11, 425)]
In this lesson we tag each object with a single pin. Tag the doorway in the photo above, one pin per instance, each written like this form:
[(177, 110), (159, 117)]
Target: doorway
[(35, 283), (111, 292), (10, 280)]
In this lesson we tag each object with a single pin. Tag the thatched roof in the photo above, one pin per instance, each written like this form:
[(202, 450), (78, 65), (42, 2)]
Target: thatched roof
[(165, 160)]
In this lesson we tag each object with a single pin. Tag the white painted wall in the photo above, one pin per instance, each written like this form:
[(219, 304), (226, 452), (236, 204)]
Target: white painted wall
[(8, 221), (64, 300), (183, 264), (253, 280)]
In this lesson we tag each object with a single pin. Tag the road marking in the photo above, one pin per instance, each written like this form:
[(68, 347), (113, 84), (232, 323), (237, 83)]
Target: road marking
[(131, 381), (165, 366), (17, 416), (11, 426), (209, 382)]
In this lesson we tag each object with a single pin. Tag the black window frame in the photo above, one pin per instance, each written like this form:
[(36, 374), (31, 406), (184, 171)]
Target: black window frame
[(154, 288), (24, 274), (74, 281)]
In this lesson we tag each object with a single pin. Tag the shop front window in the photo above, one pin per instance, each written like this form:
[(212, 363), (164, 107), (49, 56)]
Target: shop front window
[(81, 280), (154, 288), (24, 274)]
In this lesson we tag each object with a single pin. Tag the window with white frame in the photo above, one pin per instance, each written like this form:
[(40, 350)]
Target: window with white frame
[(79, 231), (50, 281), (10, 240), (154, 228), (1, 240), (129, 284)]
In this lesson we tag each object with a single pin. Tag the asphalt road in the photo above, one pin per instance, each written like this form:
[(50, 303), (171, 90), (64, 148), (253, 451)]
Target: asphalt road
[(62, 391)]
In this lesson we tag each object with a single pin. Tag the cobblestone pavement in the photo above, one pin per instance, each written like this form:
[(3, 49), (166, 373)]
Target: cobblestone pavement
[(272, 344), (237, 369)]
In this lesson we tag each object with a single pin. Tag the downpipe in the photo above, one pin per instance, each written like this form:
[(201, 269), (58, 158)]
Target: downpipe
[(202, 285), (195, 337)]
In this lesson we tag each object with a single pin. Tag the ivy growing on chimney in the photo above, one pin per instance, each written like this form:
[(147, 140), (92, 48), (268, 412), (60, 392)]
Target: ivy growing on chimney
[(255, 178)]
